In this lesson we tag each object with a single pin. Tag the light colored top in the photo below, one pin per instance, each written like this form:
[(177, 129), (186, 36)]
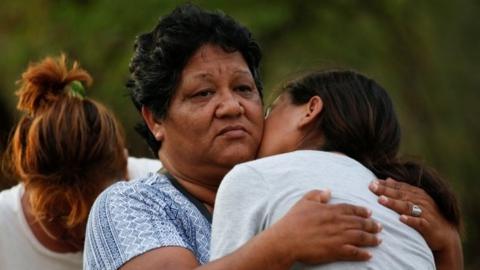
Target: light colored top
[(19, 248), (256, 194), (131, 218), (138, 167)]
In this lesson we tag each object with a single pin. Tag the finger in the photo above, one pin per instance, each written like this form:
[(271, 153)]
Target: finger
[(358, 223), (353, 253), (390, 182), (379, 188), (410, 192), (361, 239), (350, 209), (418, 196), (399, 206), (321, 196), (418, 223)]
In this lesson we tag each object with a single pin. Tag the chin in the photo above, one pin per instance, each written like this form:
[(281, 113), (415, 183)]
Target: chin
[(232, 158)]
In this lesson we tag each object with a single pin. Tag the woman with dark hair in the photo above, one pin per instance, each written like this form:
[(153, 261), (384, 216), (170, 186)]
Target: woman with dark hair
[(195, 81), (333, 130), (65, 150)]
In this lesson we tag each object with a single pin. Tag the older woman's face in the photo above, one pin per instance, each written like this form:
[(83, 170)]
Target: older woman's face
[(215, 118)]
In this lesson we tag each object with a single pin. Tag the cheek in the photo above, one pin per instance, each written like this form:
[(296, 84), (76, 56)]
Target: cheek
[(270, 138), (184, 124), (272, 130), (260, 123), (255, 116)]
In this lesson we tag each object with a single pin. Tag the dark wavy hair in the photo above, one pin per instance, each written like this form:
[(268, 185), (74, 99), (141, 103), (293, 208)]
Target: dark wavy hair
[(161, 55), (359, 120)]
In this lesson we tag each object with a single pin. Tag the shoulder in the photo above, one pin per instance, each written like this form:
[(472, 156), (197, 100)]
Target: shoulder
[(267, 168), (301, 159), (147, 193), (10, 209), (271, 161), (14, 191), (10, 198), (246, 181), (242, 176), (286, 160), (138, 167), (131, 218), (259, 172)]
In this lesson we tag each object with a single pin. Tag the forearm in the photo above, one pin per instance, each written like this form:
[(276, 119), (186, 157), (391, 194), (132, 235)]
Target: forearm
[(451, 258), (261, 252), (264, 251)]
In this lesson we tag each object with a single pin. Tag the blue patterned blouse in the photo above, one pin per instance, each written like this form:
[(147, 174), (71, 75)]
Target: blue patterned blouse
[(131, 218)]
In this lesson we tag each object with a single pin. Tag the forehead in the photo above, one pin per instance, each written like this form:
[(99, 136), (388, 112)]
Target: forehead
[(212, 60)]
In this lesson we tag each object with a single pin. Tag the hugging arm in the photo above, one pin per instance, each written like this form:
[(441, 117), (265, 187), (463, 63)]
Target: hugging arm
[(442, 237), (311, 232)]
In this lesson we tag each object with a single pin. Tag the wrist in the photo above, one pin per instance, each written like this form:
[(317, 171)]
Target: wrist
[(279, 247), (451, 256)]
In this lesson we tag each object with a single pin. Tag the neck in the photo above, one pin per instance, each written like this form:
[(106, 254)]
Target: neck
[(205, 194), (311, 140), (49, 233), (202, 187)]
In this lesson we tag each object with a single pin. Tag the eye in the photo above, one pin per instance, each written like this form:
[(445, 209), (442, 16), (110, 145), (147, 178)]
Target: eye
[(203, 93), (244, 88)]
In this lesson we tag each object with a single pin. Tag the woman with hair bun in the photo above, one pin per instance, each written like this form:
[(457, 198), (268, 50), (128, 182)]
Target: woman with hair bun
[(65, 150), (336, 130)]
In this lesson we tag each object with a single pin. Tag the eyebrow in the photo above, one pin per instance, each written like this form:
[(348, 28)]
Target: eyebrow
[(202, 75), (244, 72)]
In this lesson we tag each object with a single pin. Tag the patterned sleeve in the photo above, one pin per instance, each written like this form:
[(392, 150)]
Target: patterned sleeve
[(129, 220)]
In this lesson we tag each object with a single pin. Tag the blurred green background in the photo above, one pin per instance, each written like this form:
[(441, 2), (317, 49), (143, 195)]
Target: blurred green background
[(426, 53)]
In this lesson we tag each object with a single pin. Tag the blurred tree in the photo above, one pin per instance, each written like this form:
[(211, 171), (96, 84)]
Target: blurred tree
[(425, 52)]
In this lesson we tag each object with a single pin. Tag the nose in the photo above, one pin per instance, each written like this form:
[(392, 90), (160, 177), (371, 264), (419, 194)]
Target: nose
[(229, 106)]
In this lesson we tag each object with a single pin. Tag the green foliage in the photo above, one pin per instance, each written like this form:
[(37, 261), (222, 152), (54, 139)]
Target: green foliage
[(425, 52)]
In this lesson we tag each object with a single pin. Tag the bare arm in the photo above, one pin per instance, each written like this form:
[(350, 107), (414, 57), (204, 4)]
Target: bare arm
[(442, 238), (311, 232)]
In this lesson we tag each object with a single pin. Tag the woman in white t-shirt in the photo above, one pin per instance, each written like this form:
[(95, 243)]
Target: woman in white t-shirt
[(65, 150), (333, 130)]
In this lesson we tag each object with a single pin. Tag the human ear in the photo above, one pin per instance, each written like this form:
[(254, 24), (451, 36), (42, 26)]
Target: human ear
[(153, 124), (312, 110)]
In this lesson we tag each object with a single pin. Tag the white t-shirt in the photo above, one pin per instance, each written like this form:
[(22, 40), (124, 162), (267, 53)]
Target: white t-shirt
[(138, 167), (256, 194), (20, 249)]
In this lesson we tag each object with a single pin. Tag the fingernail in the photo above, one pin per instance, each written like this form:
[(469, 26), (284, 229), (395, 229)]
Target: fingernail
[(380, 240), (380, 226), (403, 218), (369, 212), (383, 199), (374, 185)]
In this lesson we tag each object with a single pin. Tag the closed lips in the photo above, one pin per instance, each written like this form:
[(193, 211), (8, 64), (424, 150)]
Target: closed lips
[(231, 128)]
